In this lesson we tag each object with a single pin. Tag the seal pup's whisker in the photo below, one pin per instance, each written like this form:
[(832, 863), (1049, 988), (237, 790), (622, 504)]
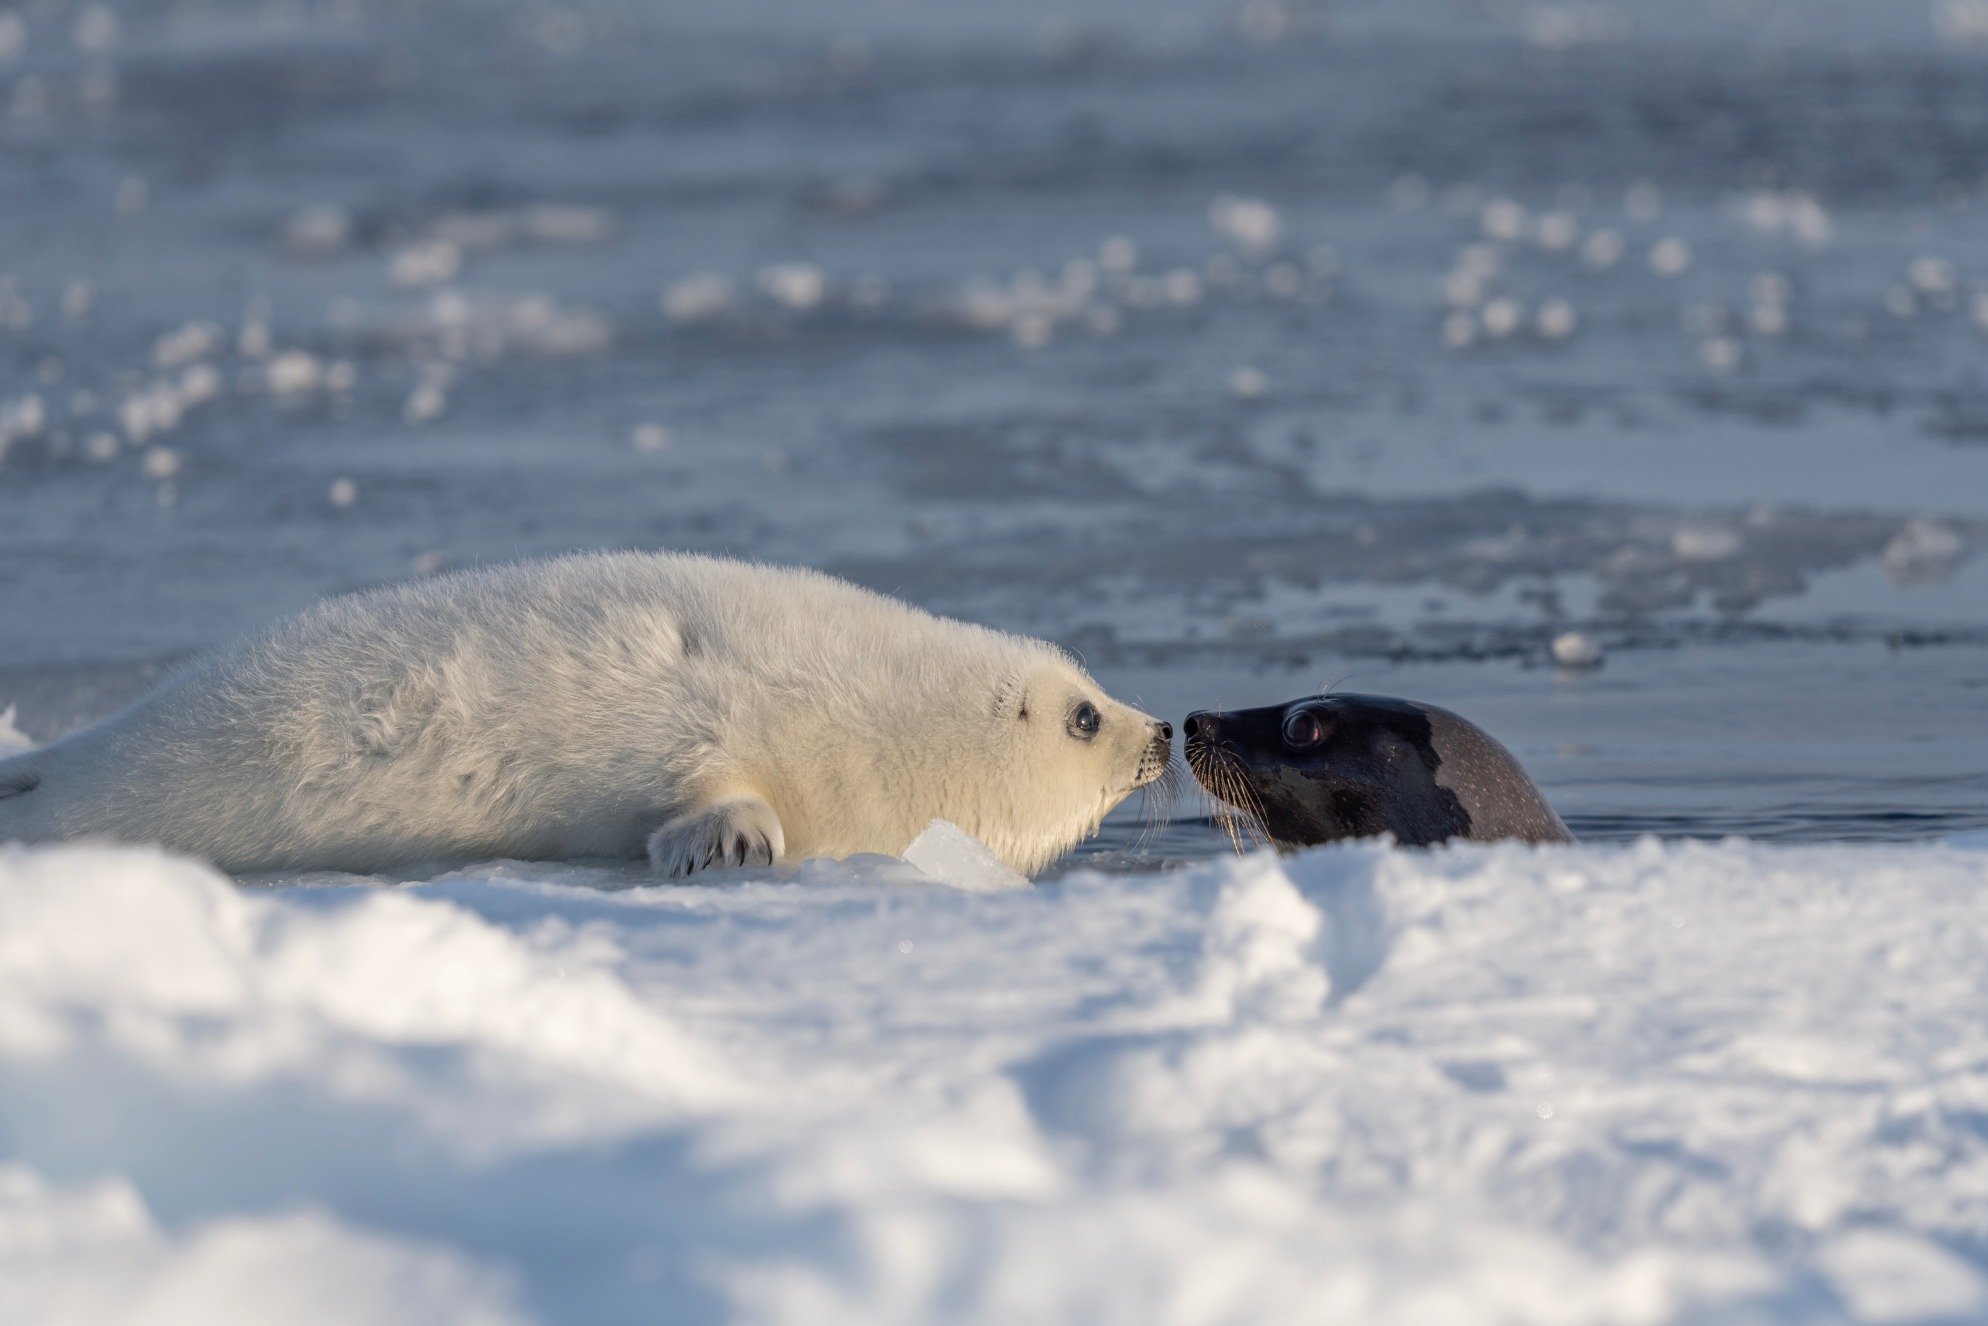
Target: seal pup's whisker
[(1157, 808)]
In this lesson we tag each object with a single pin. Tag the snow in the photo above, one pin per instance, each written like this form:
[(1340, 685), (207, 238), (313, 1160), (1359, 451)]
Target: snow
[(1661, 1082)]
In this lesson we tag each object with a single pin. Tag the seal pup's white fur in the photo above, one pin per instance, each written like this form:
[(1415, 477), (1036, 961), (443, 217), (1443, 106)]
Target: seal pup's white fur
[(708, 712)]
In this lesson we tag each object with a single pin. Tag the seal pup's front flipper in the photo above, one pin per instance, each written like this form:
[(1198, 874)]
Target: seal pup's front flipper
[(738, 831)]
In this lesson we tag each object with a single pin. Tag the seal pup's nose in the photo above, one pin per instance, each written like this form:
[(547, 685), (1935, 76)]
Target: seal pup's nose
[(1166, 730)]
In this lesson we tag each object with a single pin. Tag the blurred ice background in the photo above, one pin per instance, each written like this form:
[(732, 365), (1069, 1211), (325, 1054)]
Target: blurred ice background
[(1243, 349)]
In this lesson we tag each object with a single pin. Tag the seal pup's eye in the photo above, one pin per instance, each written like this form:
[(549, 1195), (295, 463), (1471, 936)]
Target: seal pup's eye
[(1084, 721), (1303, 730)]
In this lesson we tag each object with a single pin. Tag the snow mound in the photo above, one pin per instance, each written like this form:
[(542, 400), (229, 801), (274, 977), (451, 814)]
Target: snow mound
[(94, 1257), (1692, 1083)]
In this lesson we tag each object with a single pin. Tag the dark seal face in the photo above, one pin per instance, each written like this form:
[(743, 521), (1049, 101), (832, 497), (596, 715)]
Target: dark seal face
[(1355, 766)]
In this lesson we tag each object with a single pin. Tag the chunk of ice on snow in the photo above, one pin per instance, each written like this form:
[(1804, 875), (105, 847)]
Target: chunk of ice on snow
[(12, 740), (953, 856)]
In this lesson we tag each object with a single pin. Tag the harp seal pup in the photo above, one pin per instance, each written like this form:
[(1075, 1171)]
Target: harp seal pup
[(705, 712), (1356, 766)]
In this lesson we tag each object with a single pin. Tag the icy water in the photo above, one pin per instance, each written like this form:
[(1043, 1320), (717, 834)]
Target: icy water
[(1242, 349)]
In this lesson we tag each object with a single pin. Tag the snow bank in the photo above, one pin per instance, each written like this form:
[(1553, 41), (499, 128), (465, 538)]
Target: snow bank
[(1665, 1083)]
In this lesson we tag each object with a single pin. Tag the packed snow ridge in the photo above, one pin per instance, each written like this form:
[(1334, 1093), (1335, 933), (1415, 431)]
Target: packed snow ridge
[(1664, 1083)]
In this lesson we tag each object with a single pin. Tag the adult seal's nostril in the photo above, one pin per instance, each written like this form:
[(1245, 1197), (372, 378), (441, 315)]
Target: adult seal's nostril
[(1200, 723)]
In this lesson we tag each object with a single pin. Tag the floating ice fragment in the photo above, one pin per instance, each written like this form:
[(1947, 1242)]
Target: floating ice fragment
[(1556, 320), (1118, 254), (427, 403), (1251, 224), (344, 492), (1721, 354), (1247, 384), (429, 262), (321, 228), (1809, 222), (101, 448), (78, 298), (1924, 551), (1961, 21), (953, 856), (1503, 220), (1572, 649), (1768, 319), (1704, 543), (1183, 286), (24, 417), (539, 324), (1556, 231), (194, 341), (161, 464), (95, 29), (294, 374), (13, 37), (568, 223), (199, 384), (797, 285), (1459, 331), (1932, 276), (650, 438), (1670, 256), (1502, 317)]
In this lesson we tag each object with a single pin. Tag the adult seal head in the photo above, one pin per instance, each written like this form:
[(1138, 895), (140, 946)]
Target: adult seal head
[(1355, 766)]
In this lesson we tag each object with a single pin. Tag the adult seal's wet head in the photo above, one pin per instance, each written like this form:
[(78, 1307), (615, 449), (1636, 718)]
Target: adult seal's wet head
[(1355, 766)]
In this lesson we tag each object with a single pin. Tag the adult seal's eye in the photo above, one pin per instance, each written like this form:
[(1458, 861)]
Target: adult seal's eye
[(1084, 721), (1303, 730)]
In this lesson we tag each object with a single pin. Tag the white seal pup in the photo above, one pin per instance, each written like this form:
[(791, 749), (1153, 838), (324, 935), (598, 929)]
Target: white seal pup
[(711, 713)]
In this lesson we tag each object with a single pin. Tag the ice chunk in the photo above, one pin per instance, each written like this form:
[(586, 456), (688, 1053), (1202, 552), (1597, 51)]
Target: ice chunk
[(1923, 552), (1572, 649), (953, 856), (12, 740)]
